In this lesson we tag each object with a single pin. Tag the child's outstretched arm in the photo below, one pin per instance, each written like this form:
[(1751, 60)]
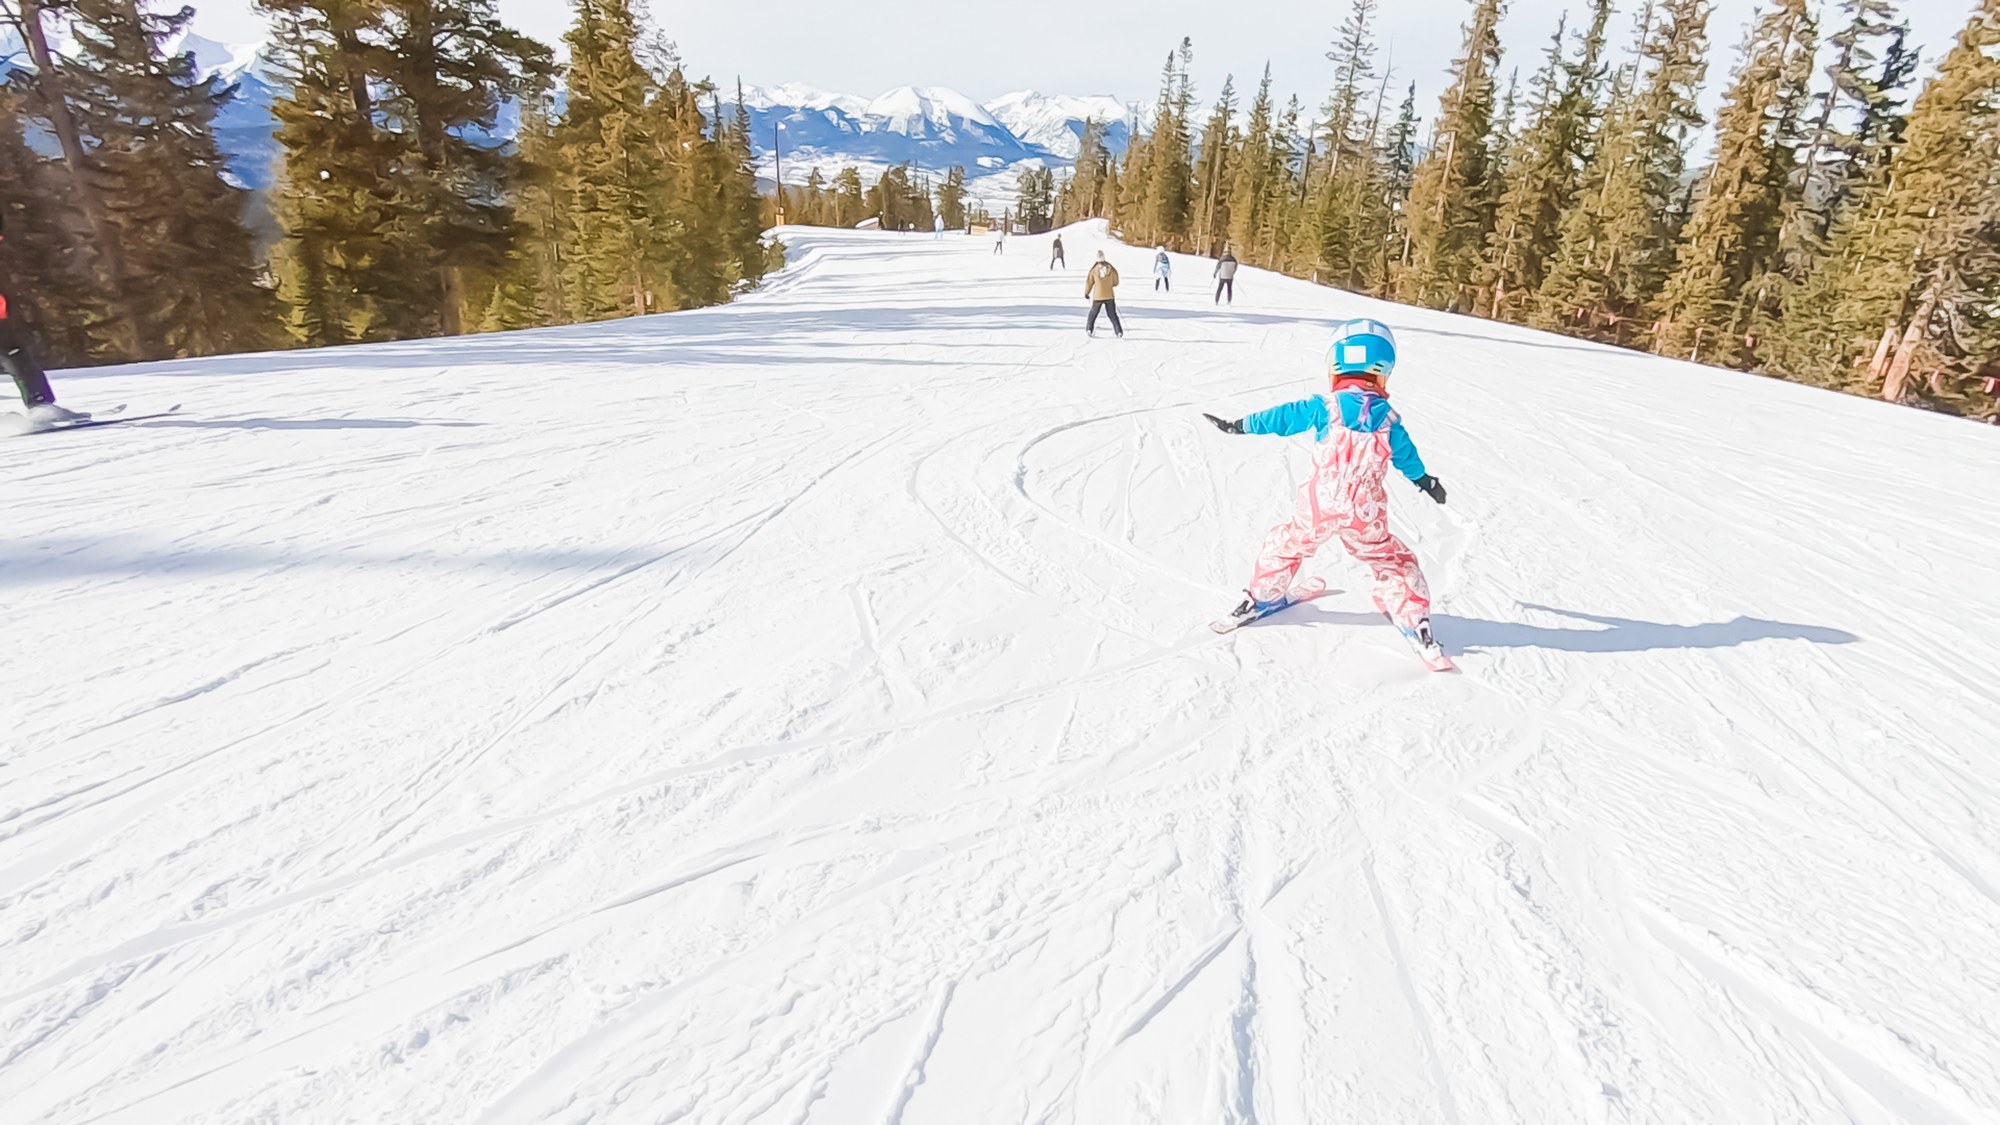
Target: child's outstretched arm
[(1284, 421), (1403, 454)]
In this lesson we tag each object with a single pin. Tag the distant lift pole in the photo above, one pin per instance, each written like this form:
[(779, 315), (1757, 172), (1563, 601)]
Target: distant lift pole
[(778, 157)]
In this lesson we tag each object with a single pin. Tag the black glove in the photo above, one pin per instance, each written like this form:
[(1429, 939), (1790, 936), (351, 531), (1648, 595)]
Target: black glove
[(1235, 427), (1431, 485)]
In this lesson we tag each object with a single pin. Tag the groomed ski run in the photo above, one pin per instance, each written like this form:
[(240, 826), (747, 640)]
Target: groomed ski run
[(801, 713)]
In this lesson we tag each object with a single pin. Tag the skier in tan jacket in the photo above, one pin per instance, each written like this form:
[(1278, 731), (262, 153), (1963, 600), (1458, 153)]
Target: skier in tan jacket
[(1101, 286)]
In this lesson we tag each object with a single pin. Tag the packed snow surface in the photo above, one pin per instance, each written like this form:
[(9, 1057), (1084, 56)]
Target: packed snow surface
[(800, 712)]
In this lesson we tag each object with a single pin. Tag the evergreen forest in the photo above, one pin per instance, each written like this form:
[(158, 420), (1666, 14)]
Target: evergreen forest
[(1836, 222)]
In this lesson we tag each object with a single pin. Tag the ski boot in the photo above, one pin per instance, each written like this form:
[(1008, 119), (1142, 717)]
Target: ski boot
[(48, 416), (1426, 646), (1253, 610)]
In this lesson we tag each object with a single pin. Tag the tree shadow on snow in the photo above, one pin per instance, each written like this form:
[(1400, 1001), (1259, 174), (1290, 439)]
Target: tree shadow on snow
[(1617, 634), (306, 423), (45, 560)]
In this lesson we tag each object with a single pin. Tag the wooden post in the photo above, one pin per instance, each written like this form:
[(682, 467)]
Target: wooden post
[(1897, 378), (1880, 364)]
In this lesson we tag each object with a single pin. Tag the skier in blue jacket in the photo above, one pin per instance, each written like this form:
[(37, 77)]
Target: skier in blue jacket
[(1359, 438)]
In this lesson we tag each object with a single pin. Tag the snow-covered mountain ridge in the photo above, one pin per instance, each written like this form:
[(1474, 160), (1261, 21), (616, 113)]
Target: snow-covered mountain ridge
[(932, 127)]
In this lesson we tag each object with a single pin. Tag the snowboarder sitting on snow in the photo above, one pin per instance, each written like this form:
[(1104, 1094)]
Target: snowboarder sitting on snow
[(1101, 286), (1163, 270), (28, 376), (1359, 438)]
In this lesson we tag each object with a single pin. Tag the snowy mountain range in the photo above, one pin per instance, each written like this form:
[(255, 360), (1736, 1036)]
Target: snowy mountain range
[(930, 127), (245, 123), (800, 127)]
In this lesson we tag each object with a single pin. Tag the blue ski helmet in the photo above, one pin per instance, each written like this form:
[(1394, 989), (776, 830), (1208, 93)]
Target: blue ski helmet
[(1362, 347)]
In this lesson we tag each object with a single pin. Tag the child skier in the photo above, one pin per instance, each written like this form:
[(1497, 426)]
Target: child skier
[(1359, 438)]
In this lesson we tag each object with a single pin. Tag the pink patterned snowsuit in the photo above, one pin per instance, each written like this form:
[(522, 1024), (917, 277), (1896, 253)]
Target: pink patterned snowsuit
[(1360, 438)]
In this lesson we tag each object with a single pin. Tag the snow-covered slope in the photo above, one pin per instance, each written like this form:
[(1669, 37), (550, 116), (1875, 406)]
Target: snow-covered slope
[(800, 712)]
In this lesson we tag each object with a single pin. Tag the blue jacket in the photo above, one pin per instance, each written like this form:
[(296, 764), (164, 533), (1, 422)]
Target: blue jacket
[(1357, 410)]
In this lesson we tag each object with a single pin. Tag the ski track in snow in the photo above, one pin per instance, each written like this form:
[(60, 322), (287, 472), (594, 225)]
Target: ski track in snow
[(800, 713)]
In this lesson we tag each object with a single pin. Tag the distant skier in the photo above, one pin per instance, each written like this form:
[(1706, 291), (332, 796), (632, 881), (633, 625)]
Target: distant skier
[(937, 225), (1056, 255), (1000, 240), (1359, 438), (1225, 276), (28, 376), (1101, 286), (1163, 272)]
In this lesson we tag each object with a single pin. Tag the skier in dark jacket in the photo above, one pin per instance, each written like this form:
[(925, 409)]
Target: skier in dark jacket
[(1055, 254), (1225, 276), (28, 376)]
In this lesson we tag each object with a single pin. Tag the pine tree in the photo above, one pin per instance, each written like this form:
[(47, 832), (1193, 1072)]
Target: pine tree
[(1211, 183), (526, 291), (1171, 194), (1034, 195), (340, 278), (951, 198), (124, 334), (1451, 210), (850, 204), (1544, 171), (1352, 55), (601, 143), (1344, 214), (811, 202), (1880, 129), (1088, 187), (693, 210), (1399, 169), (150, 123), (1833, 160), (1131, 208), (449, 64), (1856, 122), (1918, 258), (1617, 240), (43, 273), (1258, 168), (1727, 252), (741, 224), (1287, 200), (1500, 142)]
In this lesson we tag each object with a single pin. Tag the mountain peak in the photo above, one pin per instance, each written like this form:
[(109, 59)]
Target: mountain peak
[(938, 105)]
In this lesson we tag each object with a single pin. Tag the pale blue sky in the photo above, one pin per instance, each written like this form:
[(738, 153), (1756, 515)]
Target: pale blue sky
[(1089, 46)]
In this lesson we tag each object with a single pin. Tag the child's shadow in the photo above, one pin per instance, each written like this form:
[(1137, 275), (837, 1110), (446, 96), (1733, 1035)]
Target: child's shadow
[(1619, 634)]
